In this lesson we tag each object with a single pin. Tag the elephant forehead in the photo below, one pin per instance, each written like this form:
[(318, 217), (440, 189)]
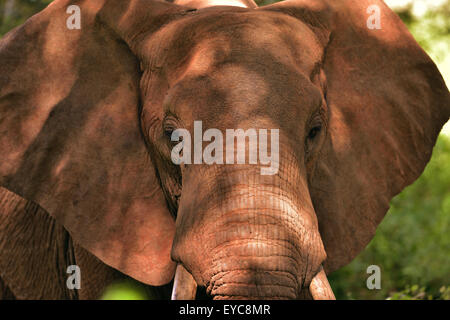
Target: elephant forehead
[(234, 93), (215, 36), (243, 61)]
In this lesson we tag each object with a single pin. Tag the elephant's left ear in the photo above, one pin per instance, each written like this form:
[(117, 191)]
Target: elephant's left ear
[(387, 103), (70, 136)]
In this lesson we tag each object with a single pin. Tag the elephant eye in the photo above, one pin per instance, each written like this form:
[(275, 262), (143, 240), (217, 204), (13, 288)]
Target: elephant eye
[(169, 125), (314, 132), (168, 132)]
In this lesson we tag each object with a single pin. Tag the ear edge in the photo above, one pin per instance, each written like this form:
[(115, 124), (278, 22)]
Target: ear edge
[(44, 199), (337, 19)]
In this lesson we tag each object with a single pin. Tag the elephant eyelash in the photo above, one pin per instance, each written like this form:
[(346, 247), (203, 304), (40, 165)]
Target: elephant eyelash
[(316, 127), (318, 123), (169, 126), (168, 132)]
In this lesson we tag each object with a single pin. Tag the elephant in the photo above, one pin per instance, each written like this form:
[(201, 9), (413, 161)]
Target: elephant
[(87, 122)]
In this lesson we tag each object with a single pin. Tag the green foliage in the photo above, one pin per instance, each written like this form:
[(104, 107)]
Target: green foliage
[(126, 290), (15, 12), (418, 293), (432, 32), (412, 244)]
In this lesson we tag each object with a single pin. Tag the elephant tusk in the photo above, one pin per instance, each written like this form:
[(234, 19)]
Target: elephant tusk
[(320, 288), (184, 285)]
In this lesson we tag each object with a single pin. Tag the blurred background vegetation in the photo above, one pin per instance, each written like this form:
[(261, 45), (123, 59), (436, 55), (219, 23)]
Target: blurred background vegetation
[(15, 12), (412, 244)]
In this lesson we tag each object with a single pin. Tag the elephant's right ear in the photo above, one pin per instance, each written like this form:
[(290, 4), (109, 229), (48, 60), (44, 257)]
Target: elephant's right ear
[(70, 136), (387, 103)]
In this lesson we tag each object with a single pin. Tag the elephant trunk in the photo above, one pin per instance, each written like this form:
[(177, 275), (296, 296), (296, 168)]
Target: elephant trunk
[(251, 237)]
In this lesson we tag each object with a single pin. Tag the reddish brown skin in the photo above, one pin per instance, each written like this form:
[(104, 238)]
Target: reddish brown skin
[(81, 132)]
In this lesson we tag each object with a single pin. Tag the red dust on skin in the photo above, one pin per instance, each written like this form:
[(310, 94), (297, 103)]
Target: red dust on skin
[(83, 114)]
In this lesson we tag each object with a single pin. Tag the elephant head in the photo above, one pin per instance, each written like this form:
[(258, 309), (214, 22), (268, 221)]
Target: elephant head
[(88, 116)]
